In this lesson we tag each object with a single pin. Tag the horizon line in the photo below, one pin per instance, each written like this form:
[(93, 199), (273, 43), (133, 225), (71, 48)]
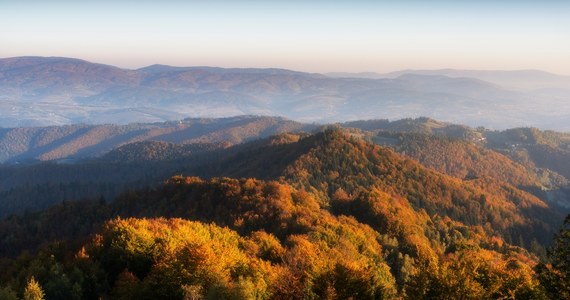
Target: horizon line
[(290, 69)]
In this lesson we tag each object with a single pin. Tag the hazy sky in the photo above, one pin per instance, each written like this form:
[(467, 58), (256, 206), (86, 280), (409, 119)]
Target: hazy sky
[(318, 36)]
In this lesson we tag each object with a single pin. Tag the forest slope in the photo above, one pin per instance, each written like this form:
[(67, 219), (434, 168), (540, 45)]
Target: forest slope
[(279, 243)]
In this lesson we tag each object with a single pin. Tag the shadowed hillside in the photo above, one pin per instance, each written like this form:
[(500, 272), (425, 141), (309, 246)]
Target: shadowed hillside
[(84, 141)]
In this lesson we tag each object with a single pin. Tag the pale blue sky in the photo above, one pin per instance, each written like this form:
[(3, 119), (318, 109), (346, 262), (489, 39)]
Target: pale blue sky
[(316, 36)]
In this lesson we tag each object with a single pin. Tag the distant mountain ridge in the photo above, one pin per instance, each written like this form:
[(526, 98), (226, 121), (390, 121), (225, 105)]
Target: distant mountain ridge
[(158, 68), (519, 79), (42, 91)]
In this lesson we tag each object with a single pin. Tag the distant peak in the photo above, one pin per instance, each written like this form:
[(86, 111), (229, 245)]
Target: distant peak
[(26, 61), (159, 68), (41, 59)]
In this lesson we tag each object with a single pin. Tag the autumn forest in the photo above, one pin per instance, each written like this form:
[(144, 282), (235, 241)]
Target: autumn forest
[(360, 212)]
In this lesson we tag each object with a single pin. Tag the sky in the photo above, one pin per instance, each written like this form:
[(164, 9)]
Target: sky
[(313, 36)]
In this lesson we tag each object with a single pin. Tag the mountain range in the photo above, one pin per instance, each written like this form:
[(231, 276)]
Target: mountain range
[(41, 91)]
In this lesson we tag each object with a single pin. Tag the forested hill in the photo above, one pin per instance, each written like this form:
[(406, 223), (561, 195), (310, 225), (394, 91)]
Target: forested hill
[(333, 217), (533, 147), (152, 151), (76, 142), (528, 158), (471, 160), (457, 150)]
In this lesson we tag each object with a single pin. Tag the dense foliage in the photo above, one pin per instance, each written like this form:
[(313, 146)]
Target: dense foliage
[(335, 217), (149, 151), (338, 161), (256, 240), (463, 159)]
